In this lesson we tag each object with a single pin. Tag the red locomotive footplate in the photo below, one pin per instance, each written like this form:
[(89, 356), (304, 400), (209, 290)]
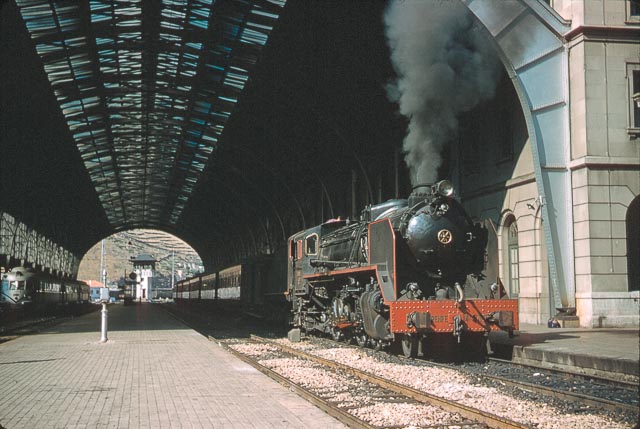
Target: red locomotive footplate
[(477, 315)]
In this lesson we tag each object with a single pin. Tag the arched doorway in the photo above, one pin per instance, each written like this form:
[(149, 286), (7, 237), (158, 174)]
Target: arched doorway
[(633, 244)]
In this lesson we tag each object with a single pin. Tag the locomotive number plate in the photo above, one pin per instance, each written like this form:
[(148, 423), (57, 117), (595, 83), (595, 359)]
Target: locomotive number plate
[(444, 236)]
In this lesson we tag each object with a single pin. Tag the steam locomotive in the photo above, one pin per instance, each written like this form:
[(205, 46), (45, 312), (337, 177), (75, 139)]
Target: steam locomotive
[(396, 277)]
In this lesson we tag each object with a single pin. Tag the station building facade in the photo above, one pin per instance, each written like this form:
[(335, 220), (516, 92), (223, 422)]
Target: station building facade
[(552, 164)]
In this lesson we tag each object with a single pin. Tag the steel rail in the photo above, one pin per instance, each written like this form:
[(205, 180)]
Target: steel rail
[(557, 370), (491, 420), (573, 397), (325, 406)]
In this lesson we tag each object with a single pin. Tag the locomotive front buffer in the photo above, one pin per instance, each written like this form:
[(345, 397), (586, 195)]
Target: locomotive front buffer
[(456, 317)]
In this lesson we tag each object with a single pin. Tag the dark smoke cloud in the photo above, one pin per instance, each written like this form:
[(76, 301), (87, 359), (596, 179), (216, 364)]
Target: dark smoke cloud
[(444, 67)]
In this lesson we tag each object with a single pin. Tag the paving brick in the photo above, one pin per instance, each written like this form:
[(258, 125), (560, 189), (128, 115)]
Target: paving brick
[(153, 372)]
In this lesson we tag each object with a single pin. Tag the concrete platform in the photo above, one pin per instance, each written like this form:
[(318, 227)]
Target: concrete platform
[(610, 353), (154, 372)]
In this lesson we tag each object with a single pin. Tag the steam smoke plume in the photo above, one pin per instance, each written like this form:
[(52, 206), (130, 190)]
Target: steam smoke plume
[(444, 67)]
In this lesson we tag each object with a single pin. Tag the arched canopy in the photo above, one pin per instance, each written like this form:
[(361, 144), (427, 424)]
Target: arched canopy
[(539, 72), (146, 89), (230, 124)]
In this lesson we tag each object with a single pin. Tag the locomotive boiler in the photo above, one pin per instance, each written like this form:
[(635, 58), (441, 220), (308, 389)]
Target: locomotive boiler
[(396, 276)]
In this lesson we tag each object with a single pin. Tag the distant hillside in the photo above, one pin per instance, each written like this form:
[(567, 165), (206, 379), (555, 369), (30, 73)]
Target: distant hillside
[(121, 246)]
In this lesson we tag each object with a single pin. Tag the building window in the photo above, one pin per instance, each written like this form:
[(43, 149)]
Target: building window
[(633, 244), (511, 256), (633, 10), (514, 260), (633, 79)]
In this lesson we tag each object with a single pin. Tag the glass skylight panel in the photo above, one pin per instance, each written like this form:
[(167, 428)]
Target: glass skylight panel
[(100, 17), (121, 130), (130, 10), (82, 135), (192, 57), (190, 62), (47, 48), (171, 25), (278, 3), (252, 36), (200, 23), (200, 12), (264, 14), (100, 41), (235, 83), (57, 68), (210, 138), (170, 37), (207, 148), (129, 36), (228, 99)]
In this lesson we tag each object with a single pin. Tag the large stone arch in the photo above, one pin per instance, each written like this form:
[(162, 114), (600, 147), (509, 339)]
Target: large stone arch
[(528, 36)]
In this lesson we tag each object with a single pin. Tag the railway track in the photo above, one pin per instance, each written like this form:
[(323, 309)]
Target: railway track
[(580, 389), (570, 373), (361, 391), (530, 405), (567, 386)]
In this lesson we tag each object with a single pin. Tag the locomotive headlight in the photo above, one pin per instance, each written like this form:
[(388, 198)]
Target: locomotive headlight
[(444, 188)]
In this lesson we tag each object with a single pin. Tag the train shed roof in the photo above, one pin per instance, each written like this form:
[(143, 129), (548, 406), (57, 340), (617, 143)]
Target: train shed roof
[(146, 89), (230, 124)]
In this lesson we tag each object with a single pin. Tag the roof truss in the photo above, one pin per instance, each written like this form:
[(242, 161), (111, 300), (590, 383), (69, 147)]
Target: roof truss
[(146, 87)]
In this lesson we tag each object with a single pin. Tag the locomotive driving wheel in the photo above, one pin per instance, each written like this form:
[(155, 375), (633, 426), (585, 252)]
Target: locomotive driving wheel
[(410, 345)]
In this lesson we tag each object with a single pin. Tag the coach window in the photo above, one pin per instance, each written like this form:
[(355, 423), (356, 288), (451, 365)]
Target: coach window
[(311, 247)]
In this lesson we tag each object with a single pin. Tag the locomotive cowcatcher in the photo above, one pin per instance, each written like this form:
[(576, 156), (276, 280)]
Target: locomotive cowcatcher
[(397, 276)]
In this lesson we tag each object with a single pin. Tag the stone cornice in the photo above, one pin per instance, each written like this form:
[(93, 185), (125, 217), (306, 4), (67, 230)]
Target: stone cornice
[(605, 162), (628, 33)]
